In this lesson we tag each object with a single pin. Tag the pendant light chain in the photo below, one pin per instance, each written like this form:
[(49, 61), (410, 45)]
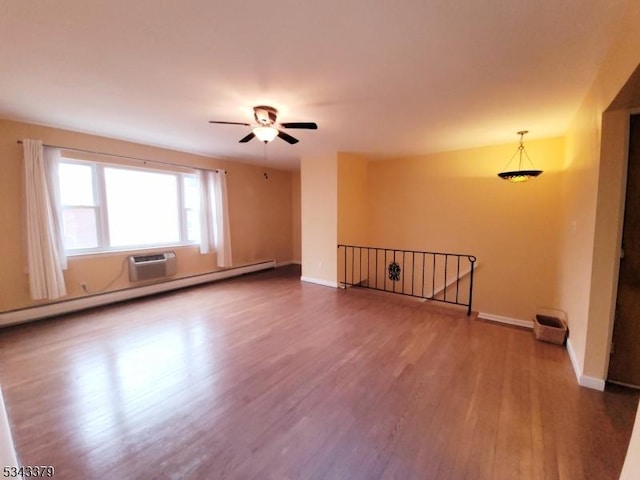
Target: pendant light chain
[(264, 161), (520, 149), (520, 175)]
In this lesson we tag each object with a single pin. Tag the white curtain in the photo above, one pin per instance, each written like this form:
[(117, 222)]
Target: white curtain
[(214, 216), (45, 250)]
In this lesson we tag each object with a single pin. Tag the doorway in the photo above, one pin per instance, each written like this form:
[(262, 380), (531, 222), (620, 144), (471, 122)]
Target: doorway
[(624, 365)]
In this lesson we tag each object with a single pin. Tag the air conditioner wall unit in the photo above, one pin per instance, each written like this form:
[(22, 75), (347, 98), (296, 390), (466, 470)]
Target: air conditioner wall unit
[(149, 267)]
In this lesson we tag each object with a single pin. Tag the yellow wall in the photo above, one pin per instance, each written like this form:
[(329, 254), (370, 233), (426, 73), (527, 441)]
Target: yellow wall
[(592, 197), (259, 209), (296, 219), (578, 225), (454, 202), (352, 199), (319, 180)]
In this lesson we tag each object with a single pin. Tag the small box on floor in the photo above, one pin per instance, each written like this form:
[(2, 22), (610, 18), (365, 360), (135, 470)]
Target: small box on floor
[(550, 325)]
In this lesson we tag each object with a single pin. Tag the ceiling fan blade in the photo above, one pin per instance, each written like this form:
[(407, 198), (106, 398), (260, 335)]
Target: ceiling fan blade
[(230, 123), (247, 138), (287, 138), (306, 125)]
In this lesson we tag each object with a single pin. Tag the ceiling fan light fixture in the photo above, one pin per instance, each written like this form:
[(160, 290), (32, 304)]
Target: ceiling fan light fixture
[(266, 127), (520, 175), (265, 134)]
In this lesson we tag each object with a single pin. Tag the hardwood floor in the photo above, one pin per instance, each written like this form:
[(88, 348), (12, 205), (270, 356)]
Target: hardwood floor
[(266, 377)]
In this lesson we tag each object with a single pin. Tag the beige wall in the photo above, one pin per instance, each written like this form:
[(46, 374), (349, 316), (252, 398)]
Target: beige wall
[(296, 219), (578, 226), (353, 216), (260, 213), (259, 210), (319, 180), (592, 196), (454, 202)]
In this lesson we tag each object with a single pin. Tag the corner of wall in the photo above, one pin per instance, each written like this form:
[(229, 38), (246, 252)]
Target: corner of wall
[(296, 226), (319, 217), (583, 380)]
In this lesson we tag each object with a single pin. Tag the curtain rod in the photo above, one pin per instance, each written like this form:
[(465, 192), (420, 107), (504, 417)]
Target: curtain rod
[(130, 158)]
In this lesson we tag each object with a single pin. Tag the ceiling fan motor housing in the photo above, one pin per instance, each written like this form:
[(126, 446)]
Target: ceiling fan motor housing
[(265, 115)]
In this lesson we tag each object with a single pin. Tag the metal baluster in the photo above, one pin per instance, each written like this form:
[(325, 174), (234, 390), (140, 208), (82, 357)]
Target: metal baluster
[(472, 260), (423, 255), (433, 280), (446, 261), (353, 257), (403, 270), (368, 265), (345, 267), (458, 278), (385, 270), (413, 270), (377, 268), (393, 282)]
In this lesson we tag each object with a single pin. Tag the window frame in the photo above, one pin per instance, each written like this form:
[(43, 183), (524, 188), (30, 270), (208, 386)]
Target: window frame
[(184, 217), (101, 207)]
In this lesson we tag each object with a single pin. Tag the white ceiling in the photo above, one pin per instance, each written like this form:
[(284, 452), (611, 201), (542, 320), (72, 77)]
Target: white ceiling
[(379, 77)]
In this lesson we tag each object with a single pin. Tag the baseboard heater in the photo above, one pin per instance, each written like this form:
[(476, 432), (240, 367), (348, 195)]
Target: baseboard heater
[(148, 267), (80, 303)]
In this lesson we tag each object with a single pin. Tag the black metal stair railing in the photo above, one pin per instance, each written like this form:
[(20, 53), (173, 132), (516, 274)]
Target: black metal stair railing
[(441, 277)]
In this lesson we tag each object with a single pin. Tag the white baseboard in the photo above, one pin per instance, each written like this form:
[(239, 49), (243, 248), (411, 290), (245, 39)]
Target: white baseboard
[(508, 320), (288, 262), (75, 304), (319, 281), (592, 382), (583, 380), (574, 360)]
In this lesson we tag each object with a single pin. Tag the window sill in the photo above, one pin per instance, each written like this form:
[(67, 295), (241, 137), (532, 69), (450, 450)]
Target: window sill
[(129, 251)]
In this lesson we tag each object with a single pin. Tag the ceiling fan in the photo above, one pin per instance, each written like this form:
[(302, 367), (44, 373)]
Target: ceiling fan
[(266, 128)]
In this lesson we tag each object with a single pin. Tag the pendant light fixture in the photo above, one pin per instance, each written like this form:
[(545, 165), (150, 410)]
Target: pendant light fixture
[(520, 175), (265, 133)]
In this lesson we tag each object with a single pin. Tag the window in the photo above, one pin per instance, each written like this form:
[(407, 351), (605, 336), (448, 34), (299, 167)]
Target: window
[(80, 212), (192, 207), (107, 207)]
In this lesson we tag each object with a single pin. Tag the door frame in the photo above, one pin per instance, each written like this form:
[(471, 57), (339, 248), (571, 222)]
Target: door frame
[(623, 193)]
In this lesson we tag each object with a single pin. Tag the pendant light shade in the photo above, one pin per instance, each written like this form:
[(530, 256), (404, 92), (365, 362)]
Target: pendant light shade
[(265, 133), (520, 175)]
